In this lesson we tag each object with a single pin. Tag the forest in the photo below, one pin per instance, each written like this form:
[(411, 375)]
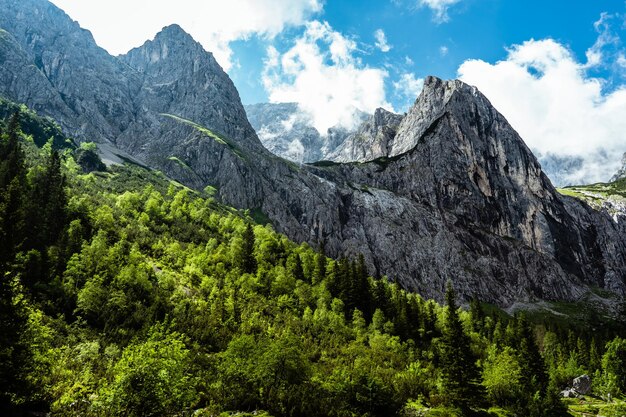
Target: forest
[(123, 293)]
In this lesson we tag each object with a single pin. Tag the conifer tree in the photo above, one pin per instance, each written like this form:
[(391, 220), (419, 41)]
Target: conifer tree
[(531, 362), (460, 374), (319, 272), (13, 189), (248, 261), (294, 264), (49, 203), (477, 315)]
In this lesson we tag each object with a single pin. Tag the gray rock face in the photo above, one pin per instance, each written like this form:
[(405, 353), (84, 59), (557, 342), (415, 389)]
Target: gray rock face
[(621, 173), (288, 132), (178, 78), (93, 89), (455, 193), (373, 139)]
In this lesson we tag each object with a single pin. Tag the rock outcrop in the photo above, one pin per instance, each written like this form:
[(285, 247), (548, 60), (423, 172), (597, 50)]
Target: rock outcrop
[(454, 194), (373, 139)]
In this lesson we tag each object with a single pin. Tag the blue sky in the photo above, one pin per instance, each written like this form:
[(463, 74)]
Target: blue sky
[(475, 29), (555, 69)]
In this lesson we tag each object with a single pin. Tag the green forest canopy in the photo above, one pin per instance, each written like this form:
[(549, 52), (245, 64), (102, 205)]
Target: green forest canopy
[(123, 293)]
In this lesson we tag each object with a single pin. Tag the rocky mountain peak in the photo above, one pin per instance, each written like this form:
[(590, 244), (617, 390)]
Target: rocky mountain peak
[(181, 79), (172, 43), (387, 134), (432, 103)]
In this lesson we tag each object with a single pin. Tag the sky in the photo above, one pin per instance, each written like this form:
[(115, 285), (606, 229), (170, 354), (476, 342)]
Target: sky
[(555, 69)]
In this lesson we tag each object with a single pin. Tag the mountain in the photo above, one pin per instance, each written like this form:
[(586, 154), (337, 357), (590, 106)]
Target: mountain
[(289, 133), (127, 293), (370, 141), (453, 194)]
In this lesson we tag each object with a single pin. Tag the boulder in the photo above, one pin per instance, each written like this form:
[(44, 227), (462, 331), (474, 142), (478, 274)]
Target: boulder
[(582, 384), (569, 393)]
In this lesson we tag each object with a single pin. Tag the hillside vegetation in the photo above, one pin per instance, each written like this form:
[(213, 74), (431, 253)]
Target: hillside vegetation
[(125, 294)]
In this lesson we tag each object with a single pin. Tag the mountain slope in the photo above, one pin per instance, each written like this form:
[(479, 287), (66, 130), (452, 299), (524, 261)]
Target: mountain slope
[(150, 298), (457, 194)]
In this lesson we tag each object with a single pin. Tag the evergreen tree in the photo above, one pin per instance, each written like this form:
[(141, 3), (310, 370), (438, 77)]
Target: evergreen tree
[(12, 162), (248, 260), (294, 265), (533, 368), (319, 273), (15, 355), (477, 315), (361, 288), (49, 203), (595, 358), (460, 374), (13, 189)]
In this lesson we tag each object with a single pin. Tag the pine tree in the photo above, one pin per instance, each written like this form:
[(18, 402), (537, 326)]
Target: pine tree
[(319, 273), (533, 367), (477, 315), (595, 358), (248, 261), (12, 162), (49, 203), (294, 264), (582, 353), (460, 374), (361, 288), (13, 189)]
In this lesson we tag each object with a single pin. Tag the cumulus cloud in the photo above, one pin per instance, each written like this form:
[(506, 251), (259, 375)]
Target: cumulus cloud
[(381, 41), (213, 26), (439, 8), (407, 88), (443, 50), (558, 109), (323, 74)]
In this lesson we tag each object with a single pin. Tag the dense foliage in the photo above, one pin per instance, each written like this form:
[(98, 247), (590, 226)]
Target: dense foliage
[(123, 293)]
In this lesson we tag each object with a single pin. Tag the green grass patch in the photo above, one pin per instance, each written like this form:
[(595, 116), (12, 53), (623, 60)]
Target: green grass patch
[(590, 406), (179, 162), (209, 133)]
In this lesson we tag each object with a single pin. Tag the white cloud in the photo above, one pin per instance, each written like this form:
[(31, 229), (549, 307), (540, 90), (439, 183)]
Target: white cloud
[(381, 41), (439, 8), (556, 107), (119, 25), (408, 87), (443, 50), (322, 73), (606, 37)]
